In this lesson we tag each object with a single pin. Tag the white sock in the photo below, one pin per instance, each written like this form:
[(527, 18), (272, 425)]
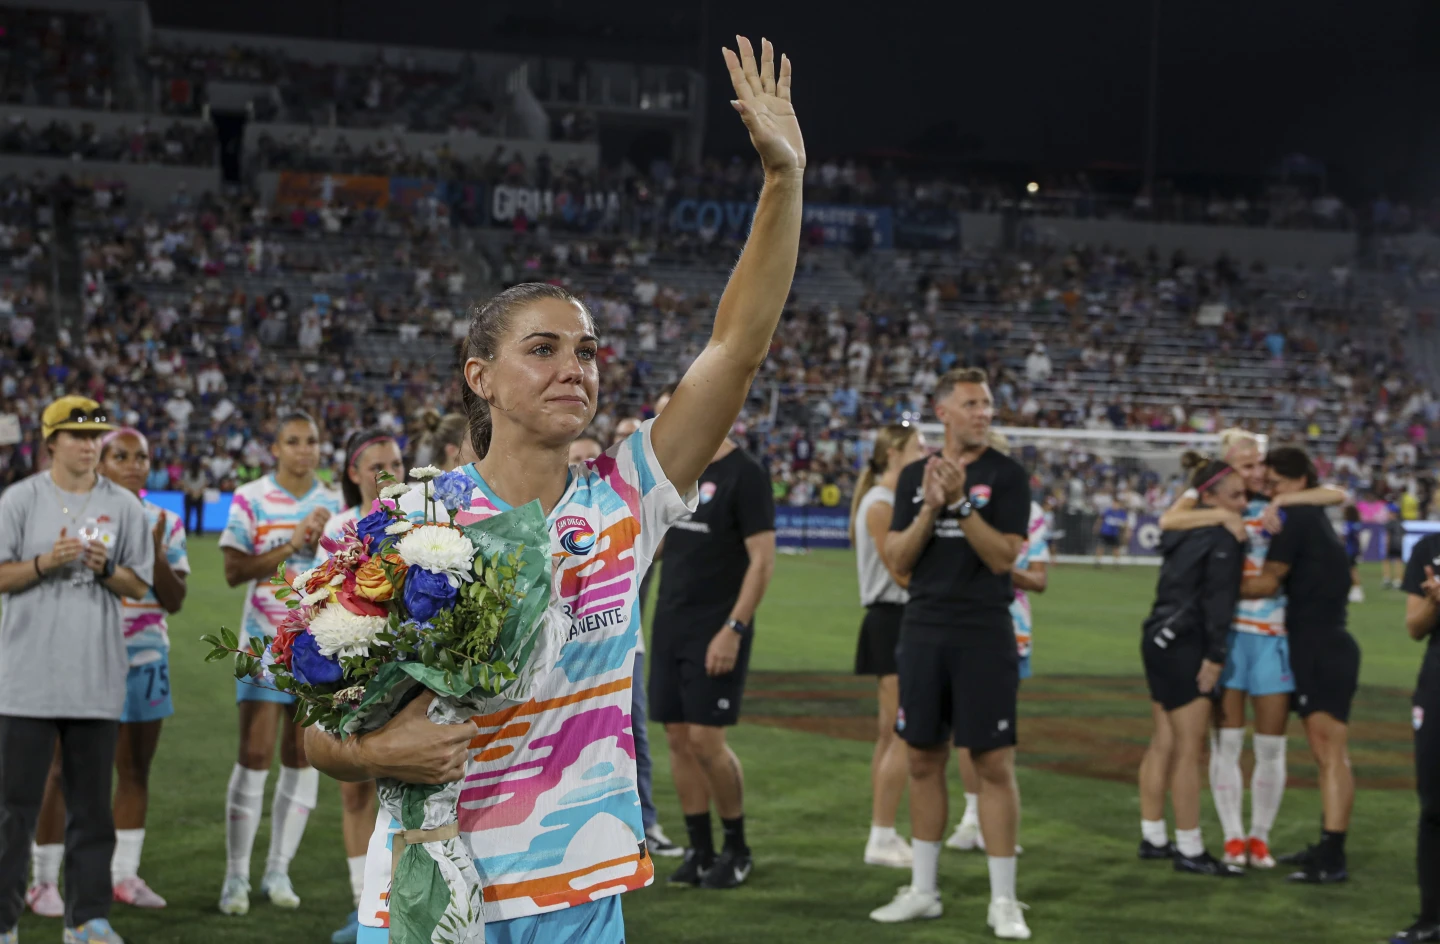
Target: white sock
[(972, 808), (1154, 831), (244, 801), (125, 863), (1189, 843), (1002, 877), (295, 795), (879, 834), (1267, 785), (47, 859), (925, 866), (1226, 783), (357, 876)]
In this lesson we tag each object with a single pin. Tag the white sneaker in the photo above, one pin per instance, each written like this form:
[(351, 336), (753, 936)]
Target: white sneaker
[(966, 836), (893, 852), (235, 896), (1357, 594), (909, 905), (282, 893), (1007, 919)]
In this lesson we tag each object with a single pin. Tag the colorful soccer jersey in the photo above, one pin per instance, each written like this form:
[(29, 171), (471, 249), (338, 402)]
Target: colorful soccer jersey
[(264, 516), (549, 806), (1264, 617), (1036, 550), (144, 620)]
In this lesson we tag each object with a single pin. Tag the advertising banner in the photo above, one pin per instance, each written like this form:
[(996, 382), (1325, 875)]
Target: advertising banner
[(312, 191)]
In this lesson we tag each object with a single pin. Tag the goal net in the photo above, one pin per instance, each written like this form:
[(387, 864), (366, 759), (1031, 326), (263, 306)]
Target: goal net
[(1102, 491)]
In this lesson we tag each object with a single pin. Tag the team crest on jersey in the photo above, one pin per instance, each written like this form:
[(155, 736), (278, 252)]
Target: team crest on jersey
[(707, 491), (576, 535), (980, 496), (1417, 716)]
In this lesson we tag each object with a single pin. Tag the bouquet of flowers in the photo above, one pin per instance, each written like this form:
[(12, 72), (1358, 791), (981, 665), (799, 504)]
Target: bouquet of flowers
[(405, 604)]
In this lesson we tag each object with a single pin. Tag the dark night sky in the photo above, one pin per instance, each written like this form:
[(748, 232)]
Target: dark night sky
[(1242, 82)]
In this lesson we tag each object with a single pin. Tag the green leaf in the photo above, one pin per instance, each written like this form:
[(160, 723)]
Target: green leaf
[(230, 639), (215, 655)]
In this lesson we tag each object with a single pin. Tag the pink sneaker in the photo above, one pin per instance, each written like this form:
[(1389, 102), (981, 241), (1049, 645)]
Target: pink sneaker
[(45, 900), (134, 891)]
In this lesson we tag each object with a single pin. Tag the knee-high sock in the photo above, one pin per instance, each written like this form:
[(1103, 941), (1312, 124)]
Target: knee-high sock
[(1267, 785), (295, 796), (46, 861), (1226, 783), (244, 801)]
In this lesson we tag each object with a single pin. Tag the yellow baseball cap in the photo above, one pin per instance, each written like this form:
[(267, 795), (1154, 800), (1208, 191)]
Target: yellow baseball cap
[(77, 414)]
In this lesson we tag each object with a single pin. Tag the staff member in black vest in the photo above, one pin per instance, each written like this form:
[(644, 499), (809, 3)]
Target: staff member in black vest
[(1309, 561), (960, 521), (1184, 647), (717, 566), (1422, 614)]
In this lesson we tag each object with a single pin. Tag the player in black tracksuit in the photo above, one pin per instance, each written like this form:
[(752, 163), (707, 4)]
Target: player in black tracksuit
[(1184, 647), (1307, 560), (1422, 618)]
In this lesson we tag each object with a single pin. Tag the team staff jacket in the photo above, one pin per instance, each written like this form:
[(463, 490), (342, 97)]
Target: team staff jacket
[(1198, 587)]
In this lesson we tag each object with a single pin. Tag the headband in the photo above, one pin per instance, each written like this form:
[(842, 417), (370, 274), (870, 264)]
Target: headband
[(113, 435), (1214, 478), (355, 456)]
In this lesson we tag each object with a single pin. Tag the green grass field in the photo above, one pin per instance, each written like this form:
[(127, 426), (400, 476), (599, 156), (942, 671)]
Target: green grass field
[(1083, 725)]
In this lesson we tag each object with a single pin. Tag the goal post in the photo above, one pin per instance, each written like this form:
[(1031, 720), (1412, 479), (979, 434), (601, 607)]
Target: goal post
[(1080, 475)]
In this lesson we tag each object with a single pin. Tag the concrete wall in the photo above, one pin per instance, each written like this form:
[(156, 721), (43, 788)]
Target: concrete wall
[(464, 144), (1276, 247), (147, 185)]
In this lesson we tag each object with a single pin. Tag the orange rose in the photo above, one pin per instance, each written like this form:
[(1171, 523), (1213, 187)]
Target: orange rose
[(371, 582)]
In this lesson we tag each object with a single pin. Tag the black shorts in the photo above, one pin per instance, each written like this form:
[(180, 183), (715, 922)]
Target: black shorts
[(1170, 670), (1394, 550), (1110, 540), (963, 692), (1327, 673), (681, 692), (879, 635)]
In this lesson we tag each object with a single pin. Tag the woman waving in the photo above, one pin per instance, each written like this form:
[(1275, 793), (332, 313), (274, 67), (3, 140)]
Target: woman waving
[(554, 856)]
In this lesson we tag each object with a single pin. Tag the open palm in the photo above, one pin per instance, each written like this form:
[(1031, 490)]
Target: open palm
[(764, 105)]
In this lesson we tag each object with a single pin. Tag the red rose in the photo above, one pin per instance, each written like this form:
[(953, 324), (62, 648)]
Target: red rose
[(359, 605), (281, 645)]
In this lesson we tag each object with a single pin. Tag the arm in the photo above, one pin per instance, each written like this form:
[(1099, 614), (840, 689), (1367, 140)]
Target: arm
[(761, 548), (1324, 495), (1422, 590), (170, 584), (998, 546), (998, 550), (877, 522), (241, 567), (410, 747), (18, 576), (126, 583), (1223, 566), (1420, 614), (1032, 579), (710, 395), (1266, 583)]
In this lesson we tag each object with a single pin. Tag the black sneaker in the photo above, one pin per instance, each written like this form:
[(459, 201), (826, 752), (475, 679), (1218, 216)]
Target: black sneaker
[(693, 870), (659, 844), (1303, 857), (1206, 864), (729, 871), (1418, 933), (1317, 873), (1150, 851)]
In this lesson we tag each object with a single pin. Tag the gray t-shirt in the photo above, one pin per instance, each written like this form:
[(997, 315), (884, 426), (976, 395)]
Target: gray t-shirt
[(62, 644)]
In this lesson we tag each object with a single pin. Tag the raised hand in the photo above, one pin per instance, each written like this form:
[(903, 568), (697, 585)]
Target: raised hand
[(932, 491), (951, 476), (764, 105)]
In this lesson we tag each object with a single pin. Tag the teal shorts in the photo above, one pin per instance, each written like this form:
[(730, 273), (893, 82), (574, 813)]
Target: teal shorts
[(147, 691), (1258, 665), (595, 922)]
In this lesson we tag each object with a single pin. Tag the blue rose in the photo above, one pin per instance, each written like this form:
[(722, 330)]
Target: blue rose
[(453, 490), (309, 666), (427, 594), (373, 526)]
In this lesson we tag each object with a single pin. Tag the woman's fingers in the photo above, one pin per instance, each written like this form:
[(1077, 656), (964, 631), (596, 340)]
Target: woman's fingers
[(747, 63), (783, 88), (737, 75), (767, 66)]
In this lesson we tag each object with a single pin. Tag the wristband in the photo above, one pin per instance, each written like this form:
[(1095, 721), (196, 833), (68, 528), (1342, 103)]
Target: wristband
[(740, 628), (38, 572), (108, 570)]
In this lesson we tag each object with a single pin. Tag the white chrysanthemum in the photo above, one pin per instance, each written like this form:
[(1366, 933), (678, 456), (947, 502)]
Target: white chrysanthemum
[(311, 598), (438, 549), (425, 473), (301, 581), (398, 527), (394, 491), (338, 632)]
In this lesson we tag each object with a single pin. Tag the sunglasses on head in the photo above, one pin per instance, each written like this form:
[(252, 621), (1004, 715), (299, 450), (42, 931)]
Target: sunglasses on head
[(97, 415)]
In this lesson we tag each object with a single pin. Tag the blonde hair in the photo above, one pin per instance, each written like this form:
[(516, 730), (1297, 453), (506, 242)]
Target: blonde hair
[(887, 438), (999, 443), (1236, 438), (453, 429)]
